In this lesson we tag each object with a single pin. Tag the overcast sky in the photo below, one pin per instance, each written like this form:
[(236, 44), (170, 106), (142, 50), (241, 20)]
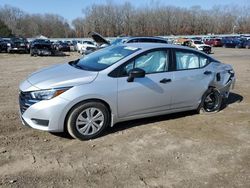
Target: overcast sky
[(71, 9)]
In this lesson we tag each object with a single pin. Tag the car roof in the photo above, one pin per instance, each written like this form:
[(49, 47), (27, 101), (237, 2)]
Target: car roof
[(146, 46), (159, 38)]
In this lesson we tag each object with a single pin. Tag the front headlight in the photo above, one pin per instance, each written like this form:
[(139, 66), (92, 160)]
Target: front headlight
[(47, 94)]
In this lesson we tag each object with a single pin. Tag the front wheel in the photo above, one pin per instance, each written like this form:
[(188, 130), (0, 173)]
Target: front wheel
[(88, 120), (211, 101)]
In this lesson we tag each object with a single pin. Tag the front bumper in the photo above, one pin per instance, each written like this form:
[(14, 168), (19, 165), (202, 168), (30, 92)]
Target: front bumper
[(46, 115), (43, 52), (18, 49)]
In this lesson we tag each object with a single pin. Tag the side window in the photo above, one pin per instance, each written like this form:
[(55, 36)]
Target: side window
[(189, 60), (133, 41), (125, 70), (203, 61), (186, 60), (151, 62)]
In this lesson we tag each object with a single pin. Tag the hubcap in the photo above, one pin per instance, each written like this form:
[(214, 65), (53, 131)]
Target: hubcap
[(211, 102), (89, 121)]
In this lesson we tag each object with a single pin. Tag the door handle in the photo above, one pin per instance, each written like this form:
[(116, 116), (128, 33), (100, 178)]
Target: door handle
[(165, 80), (208, 72)]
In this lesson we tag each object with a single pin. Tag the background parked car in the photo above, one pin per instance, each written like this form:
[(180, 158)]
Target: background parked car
[(18, 45), (3, 45), (231, 42), (85, 47), (201, 46), (71, 45), (122, 40), (100, 40), (214, 42), (41, 47), (246, 44), (61, 46)]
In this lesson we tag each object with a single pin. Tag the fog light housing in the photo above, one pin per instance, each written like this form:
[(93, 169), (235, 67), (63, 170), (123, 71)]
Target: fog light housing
[(42, 122)]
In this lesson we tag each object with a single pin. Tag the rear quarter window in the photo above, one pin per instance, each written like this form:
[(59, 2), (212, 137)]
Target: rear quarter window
[(190, 60)]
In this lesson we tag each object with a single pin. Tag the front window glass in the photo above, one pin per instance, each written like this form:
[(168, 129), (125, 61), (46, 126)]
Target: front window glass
[(104, 58), (151, 62)]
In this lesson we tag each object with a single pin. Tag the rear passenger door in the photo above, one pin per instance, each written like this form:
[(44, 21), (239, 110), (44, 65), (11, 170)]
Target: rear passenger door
[(190, 78)]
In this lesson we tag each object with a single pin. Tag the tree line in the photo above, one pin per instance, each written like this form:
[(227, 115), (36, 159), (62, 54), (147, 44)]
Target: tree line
[(23, 24), (111, 19)]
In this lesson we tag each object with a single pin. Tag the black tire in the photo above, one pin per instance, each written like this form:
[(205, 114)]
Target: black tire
[(79, 109), (247, 47), (213, 104)]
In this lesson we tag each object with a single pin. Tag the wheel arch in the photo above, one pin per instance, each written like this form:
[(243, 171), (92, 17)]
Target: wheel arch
[(85, 101)]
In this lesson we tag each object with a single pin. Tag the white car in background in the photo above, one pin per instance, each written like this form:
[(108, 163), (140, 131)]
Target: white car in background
[(85, 47), (201, 46)]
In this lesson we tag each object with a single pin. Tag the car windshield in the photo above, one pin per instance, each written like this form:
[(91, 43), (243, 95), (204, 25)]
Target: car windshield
[(198, 42), (104, 58)]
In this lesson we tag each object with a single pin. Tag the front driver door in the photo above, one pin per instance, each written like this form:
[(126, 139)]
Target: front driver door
[(150, 94)]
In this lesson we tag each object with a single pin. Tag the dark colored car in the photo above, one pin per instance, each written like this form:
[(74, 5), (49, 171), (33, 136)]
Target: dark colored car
[(61, 46), (246, 44), (17, 44), (120, 40), (41, 47), (233, 42), (3, 45), (214, 42)]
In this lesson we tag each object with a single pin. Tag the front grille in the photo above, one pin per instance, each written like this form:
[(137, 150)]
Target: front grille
[(25, 101)]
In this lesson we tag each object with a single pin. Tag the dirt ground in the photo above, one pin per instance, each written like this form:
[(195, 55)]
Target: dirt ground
[(178, 150)]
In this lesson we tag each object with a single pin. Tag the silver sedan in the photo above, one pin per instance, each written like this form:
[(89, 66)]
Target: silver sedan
[(121, 83)]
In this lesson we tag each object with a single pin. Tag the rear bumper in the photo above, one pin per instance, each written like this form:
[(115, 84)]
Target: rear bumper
[(226, 89)]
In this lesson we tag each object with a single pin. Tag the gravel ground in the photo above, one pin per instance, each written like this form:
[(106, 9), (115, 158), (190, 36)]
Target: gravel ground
[(178, 150)]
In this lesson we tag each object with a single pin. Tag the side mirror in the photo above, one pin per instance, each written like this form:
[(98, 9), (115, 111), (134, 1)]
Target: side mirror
[(135, 73)]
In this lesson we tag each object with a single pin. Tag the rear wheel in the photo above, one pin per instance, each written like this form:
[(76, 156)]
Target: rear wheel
[(88, 120), (211, 101)]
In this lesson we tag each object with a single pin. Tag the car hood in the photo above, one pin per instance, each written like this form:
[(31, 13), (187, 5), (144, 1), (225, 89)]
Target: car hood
[(63, 75), (98, 38)]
